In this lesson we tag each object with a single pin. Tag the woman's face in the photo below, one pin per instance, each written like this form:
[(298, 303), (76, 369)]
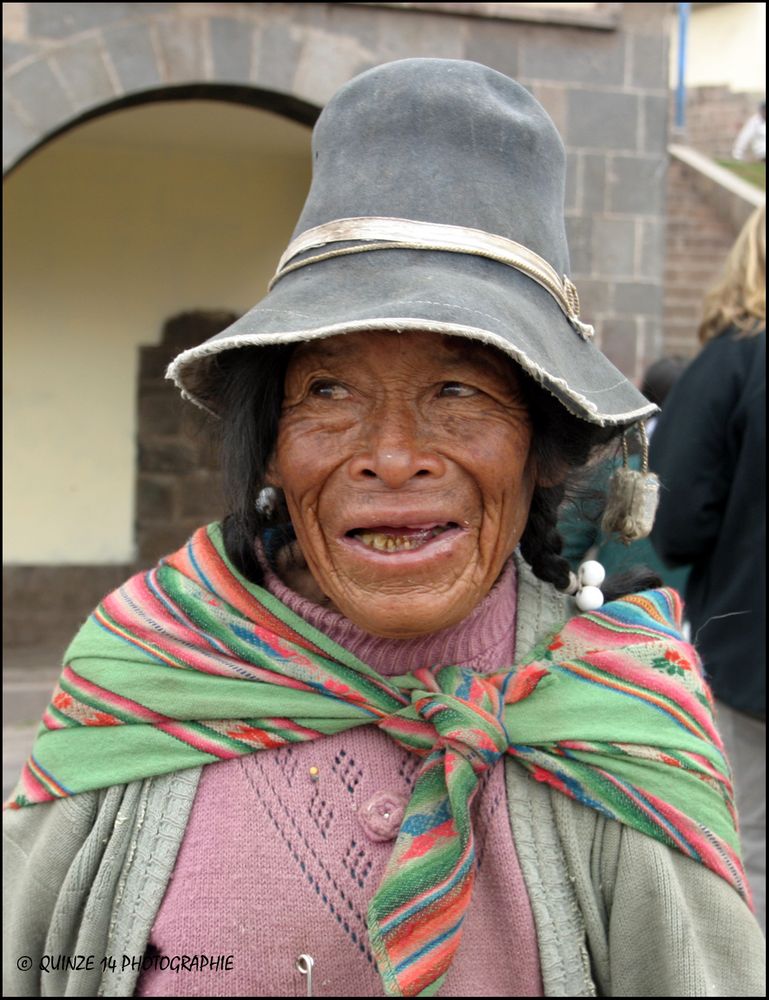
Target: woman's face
[(408, 472)]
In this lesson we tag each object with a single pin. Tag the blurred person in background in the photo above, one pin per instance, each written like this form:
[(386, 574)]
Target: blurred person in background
[(580, 519), (709, 449), (750, 144)]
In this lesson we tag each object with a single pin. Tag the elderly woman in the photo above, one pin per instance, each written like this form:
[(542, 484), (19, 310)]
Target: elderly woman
[(358, 740)]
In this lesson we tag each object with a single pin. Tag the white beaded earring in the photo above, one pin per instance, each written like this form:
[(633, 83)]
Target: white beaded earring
[(267, 502), (585, 585)]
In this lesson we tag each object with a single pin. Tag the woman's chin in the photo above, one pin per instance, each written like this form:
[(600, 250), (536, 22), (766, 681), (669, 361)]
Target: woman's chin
[(408, 594), (405, 616)]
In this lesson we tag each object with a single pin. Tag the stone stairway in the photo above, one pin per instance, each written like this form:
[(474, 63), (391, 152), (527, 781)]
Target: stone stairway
[(697, 243)]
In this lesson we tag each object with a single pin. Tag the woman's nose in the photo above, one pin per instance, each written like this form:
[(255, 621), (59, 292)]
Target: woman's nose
[(395, 450)]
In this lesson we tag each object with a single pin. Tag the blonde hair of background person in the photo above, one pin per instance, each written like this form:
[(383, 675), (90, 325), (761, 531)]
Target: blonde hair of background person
[(739, 297)]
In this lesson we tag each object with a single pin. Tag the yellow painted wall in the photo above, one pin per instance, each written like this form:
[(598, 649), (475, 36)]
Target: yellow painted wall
[(726, 45), (104, 242)]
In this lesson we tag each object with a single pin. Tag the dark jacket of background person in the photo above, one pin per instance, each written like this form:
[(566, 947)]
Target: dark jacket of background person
[(709, 452)]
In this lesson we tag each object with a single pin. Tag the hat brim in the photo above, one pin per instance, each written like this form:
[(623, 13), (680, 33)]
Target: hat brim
[(415, 290)]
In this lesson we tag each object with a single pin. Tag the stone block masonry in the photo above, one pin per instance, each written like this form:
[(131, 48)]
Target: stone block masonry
[(698, 242), (178, 482)]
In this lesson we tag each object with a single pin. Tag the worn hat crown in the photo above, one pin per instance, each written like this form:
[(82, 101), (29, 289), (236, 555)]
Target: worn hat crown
[(465, 146), (436, 204)]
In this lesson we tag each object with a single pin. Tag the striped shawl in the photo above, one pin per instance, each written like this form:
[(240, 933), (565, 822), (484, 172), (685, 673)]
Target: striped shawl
[(190, 664)]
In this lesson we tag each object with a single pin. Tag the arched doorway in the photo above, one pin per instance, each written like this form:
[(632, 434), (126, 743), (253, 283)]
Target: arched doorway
[(142, 214), (65, 63)]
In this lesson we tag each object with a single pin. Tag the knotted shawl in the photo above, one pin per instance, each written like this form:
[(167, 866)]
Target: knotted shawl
[(189, 664)]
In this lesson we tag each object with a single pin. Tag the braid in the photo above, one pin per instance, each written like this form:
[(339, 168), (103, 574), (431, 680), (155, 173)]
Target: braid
[(541, 542), (541, 545), (562, 445), (248, 383)]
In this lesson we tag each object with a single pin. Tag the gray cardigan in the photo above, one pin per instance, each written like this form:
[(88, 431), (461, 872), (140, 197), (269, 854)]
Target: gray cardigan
[(617, 914)]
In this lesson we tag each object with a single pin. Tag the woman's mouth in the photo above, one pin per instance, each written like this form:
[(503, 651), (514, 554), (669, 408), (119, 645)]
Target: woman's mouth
[(399, 538)]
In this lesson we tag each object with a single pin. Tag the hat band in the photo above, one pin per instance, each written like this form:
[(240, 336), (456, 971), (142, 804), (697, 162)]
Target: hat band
[(408, 234)]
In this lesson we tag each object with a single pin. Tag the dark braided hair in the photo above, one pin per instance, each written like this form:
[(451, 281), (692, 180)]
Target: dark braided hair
[(249, 385), (562, 445), (541, 543)]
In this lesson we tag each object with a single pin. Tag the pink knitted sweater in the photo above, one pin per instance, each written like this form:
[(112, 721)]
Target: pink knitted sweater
[(285, 848)]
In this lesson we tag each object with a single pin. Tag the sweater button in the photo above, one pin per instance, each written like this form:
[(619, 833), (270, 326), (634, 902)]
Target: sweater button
[(382, 814)]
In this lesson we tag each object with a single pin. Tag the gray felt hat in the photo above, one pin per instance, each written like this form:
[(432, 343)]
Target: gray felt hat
[(436, 204)]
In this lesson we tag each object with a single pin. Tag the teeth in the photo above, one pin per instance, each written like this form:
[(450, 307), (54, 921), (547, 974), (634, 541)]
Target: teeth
[(397, 543), (385, 543)]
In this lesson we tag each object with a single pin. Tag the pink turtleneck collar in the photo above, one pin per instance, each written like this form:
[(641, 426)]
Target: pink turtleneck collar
[(484, 640)]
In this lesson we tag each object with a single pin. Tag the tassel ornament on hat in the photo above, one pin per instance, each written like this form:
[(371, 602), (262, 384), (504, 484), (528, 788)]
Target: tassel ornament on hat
[(633, 496)]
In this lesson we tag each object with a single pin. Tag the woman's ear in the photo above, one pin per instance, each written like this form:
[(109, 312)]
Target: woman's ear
[(549, 471), (555, 478), (272, 476)]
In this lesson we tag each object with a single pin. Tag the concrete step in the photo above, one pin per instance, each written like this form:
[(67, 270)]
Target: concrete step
[(25, 701), (29, 676), (17, 743), (23, 705)]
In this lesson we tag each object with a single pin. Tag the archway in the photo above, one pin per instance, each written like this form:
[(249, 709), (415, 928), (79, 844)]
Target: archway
[(64, 63), (115, 226), (285, 105)]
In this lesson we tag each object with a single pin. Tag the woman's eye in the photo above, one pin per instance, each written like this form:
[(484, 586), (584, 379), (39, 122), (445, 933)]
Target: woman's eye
[(457, 389), (325, 389)]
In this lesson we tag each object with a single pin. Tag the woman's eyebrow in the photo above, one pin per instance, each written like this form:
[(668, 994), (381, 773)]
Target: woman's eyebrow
[(452, 357), (319, 351), (460, 356)]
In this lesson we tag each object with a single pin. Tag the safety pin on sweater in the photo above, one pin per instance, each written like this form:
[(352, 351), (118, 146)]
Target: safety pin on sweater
[(304, 964)]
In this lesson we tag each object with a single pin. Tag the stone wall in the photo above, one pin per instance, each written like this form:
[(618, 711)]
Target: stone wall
[(698, 241), (45, 605), (177, 481)]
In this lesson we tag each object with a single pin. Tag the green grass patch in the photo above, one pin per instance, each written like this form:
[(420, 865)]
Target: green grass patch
[(753, 173)]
